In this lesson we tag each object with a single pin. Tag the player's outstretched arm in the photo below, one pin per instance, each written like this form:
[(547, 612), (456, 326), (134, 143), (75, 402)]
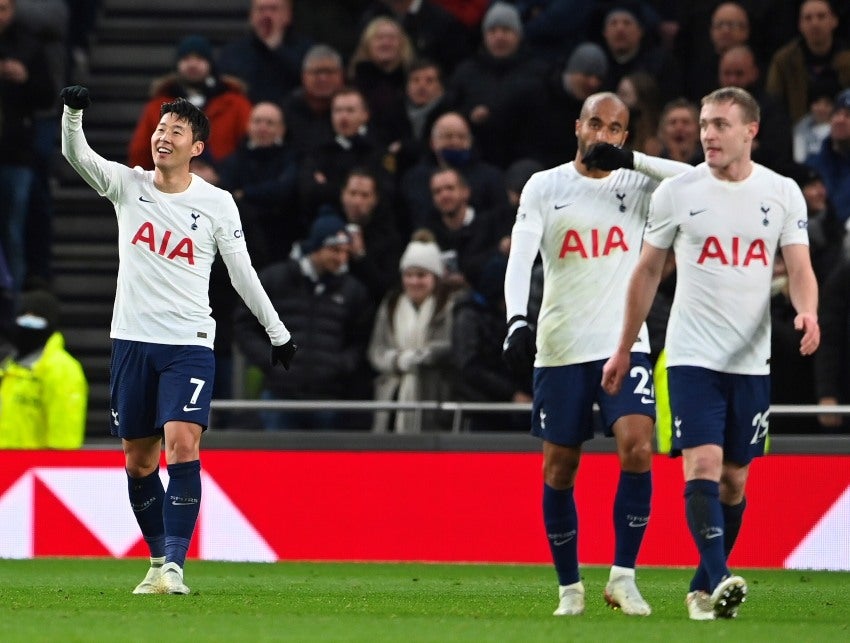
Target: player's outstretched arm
[(642, 288), (607, 157), (76, 97)]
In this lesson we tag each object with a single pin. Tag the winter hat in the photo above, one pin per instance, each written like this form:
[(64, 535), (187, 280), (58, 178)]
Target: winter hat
[(588, 59), (502, 14), (194, 45), (423, 252), (327, 230), (39, 310)]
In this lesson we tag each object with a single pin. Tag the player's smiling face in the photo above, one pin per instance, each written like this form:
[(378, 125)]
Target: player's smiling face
[(724, 135), (172, 144)]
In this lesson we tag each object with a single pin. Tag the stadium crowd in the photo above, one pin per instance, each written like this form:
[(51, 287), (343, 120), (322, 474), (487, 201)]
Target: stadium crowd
[(377, 158)]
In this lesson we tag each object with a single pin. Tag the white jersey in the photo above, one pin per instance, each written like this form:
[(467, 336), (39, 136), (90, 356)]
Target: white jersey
[(725, 235), (589, 233), (166, 246)]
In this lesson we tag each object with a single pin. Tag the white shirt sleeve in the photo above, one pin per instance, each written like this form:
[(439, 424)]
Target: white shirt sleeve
[(93, 168), (658, 168), (247, 284)]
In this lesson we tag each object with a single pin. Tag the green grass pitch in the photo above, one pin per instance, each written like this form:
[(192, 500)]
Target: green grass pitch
[(90, 600)]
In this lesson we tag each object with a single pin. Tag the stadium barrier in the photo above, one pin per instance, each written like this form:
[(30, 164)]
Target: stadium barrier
[(434, 496)]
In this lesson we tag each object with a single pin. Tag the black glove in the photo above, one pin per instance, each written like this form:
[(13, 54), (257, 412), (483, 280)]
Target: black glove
[(604, 156), (518, 350), (283, 354), (76, 97)]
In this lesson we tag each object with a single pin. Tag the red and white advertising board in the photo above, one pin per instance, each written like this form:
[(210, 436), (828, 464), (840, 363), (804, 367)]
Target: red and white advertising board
[(411, 506)]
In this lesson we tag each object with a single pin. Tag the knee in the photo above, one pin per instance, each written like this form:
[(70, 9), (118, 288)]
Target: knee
[(560, 473), (636, 456)]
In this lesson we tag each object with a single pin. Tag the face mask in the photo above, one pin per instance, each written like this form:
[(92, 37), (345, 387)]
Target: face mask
[(456, 158)]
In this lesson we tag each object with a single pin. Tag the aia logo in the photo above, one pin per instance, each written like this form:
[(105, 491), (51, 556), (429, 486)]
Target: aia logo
[(736, 252), (598, 243), (146, 236)]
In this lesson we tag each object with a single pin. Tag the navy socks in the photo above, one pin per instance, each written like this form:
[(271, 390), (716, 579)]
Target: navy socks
[(631, 515), (706, 523), (146, 497), (180, 511), (561, 521)]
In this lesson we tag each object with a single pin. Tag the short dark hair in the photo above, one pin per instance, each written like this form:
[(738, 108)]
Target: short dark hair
[(750, 111), (184, 110)]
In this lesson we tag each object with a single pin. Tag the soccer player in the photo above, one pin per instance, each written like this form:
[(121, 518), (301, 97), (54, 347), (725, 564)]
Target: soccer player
[(724, 220), (586, 219), (171, 223)]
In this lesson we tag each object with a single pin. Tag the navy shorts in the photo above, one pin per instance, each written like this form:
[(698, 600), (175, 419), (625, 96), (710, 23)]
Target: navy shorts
[(151, 384), (726, 409), (564, 396)]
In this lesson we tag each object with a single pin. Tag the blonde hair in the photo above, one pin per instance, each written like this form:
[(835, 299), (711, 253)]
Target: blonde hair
[(361, 53), (750, 111)]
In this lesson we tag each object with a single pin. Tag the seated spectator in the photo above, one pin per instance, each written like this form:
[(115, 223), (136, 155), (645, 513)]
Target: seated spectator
[(378, 69), (815, 55), (434, 32), (375, 242), (810, 131), (468, 237), (639, 92), (772, 145), (43, 390), (26, 88), (268, 59), (222, 99), (451, 147), (324, 167), (833, 160), (678, 132), (492, 89), (262, 175), (308, 107), (330, 313), (411, 342), (566, 90), (478, 330)]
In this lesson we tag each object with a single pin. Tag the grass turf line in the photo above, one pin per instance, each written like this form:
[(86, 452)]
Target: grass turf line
[(90, 600)]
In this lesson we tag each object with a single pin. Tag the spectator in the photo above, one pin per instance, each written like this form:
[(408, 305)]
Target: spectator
[(378, 69), (25, 89), (375, 242), (567, 88), (268, 59), (492, 89), (833, 160), (729, 27), (221, 98), (324, 168), (48, 20), (308, 107), (639, 92), (81, 21), (451, 146), (477, 335), (468, 237), (554, 28), (679, 132), (331, 313), (262, 176), (43, 390), (434, 32), (425, 101), (772, 145), (815, 55), (629, 51), (411, 341), (832, 375), (810, 131)]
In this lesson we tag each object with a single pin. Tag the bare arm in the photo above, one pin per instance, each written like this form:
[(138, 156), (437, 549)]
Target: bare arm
[(642, 288), (803, 289)]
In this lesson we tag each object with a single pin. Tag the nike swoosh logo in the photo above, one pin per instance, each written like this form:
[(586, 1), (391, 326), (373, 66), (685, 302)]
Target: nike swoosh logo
[(180, 504), (693, 213), (188, 408), (638, 523), (713, 535), (563, 205), (558, 543), (144, 200)]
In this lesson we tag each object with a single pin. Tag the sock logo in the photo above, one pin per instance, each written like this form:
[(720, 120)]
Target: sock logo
[(562, 539), (637, 521), (179, 501), (710, 533)]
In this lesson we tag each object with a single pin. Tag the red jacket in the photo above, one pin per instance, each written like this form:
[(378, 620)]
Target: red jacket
[(227, 108)]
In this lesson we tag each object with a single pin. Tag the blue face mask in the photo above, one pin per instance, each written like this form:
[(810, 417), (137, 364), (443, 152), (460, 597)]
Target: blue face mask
[(456, 158)]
